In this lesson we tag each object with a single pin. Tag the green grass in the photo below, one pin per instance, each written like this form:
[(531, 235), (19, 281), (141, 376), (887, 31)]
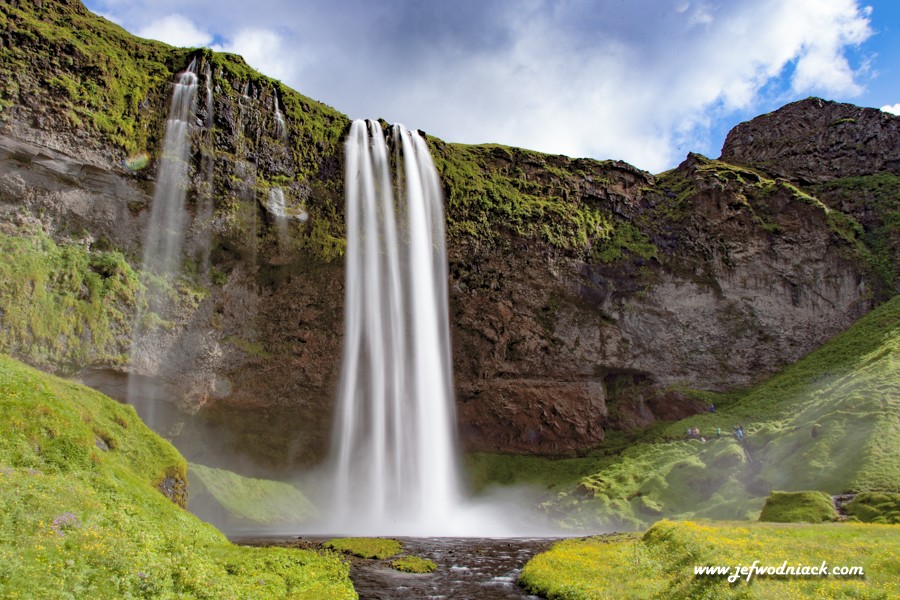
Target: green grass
[(798, 507), (413, 564), (830, 422), (875, 507), (62, 305), (251, 501), (87, 71), (660, 563), (363, 547), (78, 520)]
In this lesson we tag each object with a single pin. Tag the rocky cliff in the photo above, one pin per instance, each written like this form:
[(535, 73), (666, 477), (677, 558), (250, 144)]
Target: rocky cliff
[(585, 295)]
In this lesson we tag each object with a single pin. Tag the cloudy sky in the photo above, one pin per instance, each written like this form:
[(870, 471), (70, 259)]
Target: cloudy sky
[(644, 81)]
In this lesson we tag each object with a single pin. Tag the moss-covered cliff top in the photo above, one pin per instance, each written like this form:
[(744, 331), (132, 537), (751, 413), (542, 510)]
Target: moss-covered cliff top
[(76, 74)]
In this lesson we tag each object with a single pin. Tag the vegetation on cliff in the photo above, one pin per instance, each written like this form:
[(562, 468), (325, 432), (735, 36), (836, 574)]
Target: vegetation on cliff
[(875, 201), (660, 563), (81, 513), (80, 72), (64, 306)]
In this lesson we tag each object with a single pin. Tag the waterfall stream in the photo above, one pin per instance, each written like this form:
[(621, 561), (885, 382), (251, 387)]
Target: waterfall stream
[(395, 442), (165, 237)]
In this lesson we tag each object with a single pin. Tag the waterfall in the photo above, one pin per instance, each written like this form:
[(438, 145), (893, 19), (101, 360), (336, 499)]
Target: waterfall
[(278, 208), (280, 128), (395, 442), (163, 245), (207, 78), (162, 249)]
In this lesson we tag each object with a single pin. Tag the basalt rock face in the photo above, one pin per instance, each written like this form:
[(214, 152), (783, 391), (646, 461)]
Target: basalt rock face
[(584, 295), (844, 155), (749, 276), (815, 140)]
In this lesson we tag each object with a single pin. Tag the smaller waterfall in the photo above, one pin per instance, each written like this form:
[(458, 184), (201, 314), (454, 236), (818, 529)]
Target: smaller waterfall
[(280, 128), (163, 245), (162, 250), (207, 78), (203, 222), (278, 209), (395, 433)]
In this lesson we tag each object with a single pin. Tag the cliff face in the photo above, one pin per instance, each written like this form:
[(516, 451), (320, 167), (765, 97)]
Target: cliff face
[(585, 295), (815, 140)]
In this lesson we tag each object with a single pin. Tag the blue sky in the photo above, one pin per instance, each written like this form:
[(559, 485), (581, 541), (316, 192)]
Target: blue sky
[(645, 81)]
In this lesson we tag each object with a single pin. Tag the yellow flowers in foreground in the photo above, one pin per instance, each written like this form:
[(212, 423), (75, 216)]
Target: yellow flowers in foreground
[(660, 563)]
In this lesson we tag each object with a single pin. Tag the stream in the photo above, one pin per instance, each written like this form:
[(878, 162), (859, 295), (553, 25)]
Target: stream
[(467, 568)]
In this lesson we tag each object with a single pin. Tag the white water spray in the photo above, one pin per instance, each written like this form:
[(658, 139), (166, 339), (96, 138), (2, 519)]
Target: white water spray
[(395, 446)]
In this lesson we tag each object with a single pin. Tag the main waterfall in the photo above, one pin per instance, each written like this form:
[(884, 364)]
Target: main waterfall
[(395, 443)]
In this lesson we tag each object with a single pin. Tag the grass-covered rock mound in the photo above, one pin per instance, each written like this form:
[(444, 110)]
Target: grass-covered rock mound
[(798, 507), (413, 564), (84, 510), (661, 562), (875, 507), (365, 547)]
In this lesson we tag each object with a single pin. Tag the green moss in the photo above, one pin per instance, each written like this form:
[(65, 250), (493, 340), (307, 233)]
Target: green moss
[(877, 198), (487, 469), (798, 507), (493, 190), (379, 548), (626, 239), (256, 349), (80, 521), (875, 507), (413, 564), (85, 65), (64, 305), (68, 306), (660, 564), (253, 501)]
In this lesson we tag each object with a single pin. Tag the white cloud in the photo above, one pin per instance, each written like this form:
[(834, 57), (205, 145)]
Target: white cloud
[(176, 30), (893, 109), (264, 50), (642, 100)]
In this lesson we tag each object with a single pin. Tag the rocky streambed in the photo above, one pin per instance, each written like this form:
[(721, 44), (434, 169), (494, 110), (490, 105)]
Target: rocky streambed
[(483, 568)]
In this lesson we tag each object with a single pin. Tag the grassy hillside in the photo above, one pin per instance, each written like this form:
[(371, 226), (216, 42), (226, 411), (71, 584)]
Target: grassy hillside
[(660, 563), (830, 422), (82, 513)]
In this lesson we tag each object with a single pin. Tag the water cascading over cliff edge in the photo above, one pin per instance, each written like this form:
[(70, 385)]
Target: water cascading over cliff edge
[(165, 237), (395, 457)]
